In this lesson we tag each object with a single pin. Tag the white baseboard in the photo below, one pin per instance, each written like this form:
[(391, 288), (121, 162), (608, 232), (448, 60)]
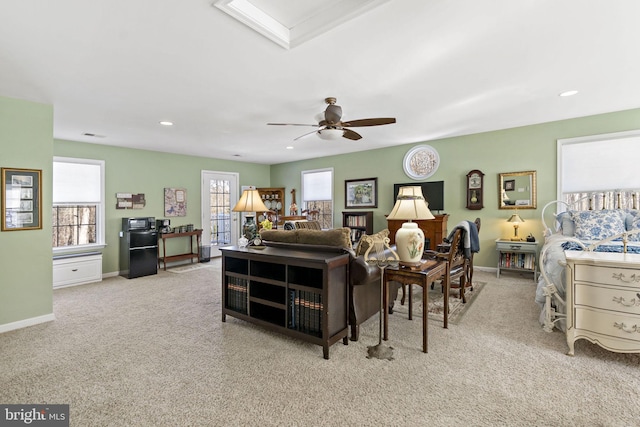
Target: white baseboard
[(112, 274), (27, 322)]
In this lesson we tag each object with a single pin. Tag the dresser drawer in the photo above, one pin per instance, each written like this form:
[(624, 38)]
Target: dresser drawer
[(608, 323), (623, 300), (608, 275), (76, 271)]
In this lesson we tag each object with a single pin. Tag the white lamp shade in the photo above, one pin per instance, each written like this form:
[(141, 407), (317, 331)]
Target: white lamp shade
[(330, 133), (410, 204), (250, 201)]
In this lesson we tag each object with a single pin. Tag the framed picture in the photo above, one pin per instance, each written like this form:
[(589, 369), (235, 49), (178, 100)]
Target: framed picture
[(175, 202), (510, 185), (21, 199), (361, 193)]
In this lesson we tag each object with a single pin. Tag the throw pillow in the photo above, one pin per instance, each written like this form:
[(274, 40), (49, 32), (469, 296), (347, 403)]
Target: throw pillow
[(363, 245), (334, 237), (283, 236), (634, 225), (598, 224)]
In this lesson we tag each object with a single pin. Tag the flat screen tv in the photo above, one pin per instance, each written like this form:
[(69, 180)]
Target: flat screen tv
[(432, 191)]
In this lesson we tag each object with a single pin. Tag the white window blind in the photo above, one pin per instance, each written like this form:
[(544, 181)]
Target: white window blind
[(317, 185), (75, 182)]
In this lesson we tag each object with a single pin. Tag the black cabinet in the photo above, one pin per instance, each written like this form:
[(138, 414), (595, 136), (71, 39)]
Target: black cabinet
[(302, 294)]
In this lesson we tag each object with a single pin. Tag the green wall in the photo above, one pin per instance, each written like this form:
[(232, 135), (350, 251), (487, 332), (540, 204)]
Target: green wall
[(149, 172), (26, 296), (511, 150), (26, 130)]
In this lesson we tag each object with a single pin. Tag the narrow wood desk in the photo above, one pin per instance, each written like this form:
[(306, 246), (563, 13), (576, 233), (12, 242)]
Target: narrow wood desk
[(192, 254), (422, 278)]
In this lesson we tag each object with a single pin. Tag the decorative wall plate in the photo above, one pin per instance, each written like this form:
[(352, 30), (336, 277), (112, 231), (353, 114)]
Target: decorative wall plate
[(421, 162)]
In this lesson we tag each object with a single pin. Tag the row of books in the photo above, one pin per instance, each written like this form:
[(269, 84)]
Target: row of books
[(237, 294), (356, 221), (305, 312), (516, 260)]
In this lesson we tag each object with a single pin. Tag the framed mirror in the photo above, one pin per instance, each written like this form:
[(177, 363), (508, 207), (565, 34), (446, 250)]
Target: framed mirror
[(517, 190)]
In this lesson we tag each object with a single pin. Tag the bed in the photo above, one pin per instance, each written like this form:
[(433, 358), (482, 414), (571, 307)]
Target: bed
[(607, 221)]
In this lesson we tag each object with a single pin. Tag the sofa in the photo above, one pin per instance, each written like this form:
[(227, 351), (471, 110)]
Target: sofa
[(364, 279)]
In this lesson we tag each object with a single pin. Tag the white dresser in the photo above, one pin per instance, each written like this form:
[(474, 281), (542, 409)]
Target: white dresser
[(603, 300)]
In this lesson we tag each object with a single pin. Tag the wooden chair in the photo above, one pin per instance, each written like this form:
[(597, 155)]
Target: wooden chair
[(447, 249), (457, 264)]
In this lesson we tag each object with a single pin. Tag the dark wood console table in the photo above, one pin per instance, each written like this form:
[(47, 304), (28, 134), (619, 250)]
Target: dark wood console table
[(193, 254), (299, 293)]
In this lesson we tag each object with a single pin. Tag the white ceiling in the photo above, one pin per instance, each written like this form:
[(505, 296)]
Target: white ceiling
[(441, 67)]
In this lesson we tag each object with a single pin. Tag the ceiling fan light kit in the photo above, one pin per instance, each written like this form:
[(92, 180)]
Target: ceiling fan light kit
[(332, 127), (330, 134)]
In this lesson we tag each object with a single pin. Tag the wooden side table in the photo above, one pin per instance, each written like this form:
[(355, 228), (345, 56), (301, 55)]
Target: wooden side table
[(191, 255), (422, 278)]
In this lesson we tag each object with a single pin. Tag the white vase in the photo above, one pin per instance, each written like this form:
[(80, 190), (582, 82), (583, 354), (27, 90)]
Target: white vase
[(410, 243)]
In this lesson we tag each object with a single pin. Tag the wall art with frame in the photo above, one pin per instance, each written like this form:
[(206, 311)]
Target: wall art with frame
[(361, 193), (21, 199)]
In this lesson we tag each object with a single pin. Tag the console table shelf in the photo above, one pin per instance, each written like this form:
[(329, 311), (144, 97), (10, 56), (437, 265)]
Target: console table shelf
[(302, 294), (191, 255)]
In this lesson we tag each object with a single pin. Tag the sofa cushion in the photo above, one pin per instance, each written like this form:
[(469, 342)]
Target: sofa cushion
[(333, 237), (283, 236), (364, 245)]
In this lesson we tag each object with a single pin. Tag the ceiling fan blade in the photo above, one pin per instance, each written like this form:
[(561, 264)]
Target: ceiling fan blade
[(370, 122), (333, 114), (349, 134), (290, 124), (306, 134)]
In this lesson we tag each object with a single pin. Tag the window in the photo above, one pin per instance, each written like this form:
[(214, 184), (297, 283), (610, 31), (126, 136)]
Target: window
[(598, 163), (317, 195), (78, 203)]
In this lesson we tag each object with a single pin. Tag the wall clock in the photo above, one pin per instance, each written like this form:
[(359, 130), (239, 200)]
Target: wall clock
[(475, 188), (421, 162)]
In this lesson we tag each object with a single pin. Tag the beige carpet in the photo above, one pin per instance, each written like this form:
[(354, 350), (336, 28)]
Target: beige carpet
[(153, 351)]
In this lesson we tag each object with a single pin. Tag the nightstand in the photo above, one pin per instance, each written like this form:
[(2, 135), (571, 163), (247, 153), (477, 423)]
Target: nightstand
[(517, 255)]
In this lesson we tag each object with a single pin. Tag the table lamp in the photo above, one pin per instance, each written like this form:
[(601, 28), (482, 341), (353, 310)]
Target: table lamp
[(516, 220), (410, 205), (250, 201)]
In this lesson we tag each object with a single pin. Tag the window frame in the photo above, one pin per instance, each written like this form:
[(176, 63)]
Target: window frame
[(331, 192), (100, 209)]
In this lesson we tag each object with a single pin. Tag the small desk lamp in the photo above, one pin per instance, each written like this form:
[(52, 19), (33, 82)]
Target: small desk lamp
[(250, 201), (516, 220), (409, 239)]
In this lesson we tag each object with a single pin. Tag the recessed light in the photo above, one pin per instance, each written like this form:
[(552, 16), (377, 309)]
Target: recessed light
[(569, 93), (166, 123), (289, 147)]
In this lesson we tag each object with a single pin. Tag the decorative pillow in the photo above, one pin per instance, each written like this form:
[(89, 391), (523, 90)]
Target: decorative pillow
[(598, 224), (628, 219), (283, 236), (567, 225), (364, 245), (334, 237), (634, 224)]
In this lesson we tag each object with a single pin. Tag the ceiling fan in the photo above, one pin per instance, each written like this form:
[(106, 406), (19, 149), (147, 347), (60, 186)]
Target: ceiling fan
[(331, 126)]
